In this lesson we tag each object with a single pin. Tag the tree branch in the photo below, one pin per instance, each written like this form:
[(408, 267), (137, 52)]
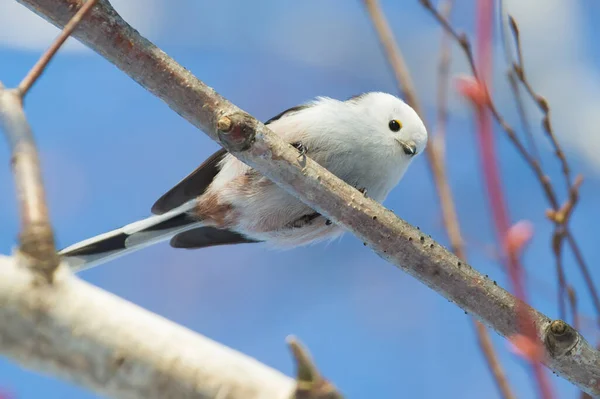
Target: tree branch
[(249, 140), (40, 66), (36, 239), (90, 337)]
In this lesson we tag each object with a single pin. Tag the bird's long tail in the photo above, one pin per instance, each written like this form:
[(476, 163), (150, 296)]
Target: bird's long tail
[(135, 236)]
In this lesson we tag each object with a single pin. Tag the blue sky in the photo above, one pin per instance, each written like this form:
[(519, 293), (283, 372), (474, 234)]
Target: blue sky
[(109, 149)]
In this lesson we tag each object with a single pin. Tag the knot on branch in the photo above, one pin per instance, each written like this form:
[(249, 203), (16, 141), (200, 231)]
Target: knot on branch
[(560, 338), (37, 244), (310, 384), (236, 131)]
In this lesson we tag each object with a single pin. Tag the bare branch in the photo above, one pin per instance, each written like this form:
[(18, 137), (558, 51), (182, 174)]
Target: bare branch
[(40, 66), (394, 55), (36, 238), (573, 306), (516, 92), (487, 348), (250, 141), (519, 69), (92, 338), (443, 85)]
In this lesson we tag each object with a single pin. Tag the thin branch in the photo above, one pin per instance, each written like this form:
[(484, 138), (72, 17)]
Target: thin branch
[(40, 66), (254, 144), (587, 276), (439, 139), (435, 156), (394, 55), (573, 306), (561, 218), (557, 240), (87, 336), (485, 343), (36, 239), (514, 87), (519, 69)]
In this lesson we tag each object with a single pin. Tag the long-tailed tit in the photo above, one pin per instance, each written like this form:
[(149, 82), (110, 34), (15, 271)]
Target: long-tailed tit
[(368, 141)]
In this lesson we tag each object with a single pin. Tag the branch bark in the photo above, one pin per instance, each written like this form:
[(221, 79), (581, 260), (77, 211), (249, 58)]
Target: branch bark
[(393, 239)]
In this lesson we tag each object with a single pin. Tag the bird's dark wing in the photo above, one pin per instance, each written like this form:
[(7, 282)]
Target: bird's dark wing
[(288, 112), (190, 186), (194, 184), (202, 237)]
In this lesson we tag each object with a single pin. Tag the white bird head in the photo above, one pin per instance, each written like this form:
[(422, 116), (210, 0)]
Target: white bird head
[(392, 120)]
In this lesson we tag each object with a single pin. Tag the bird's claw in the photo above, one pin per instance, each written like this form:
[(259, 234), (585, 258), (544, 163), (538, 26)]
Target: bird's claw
[(302, 149)]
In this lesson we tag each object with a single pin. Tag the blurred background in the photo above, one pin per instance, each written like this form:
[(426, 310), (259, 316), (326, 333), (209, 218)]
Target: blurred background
[(110, 149)]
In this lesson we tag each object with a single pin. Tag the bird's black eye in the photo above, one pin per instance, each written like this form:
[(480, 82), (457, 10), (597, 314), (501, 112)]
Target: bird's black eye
[(395, 125)]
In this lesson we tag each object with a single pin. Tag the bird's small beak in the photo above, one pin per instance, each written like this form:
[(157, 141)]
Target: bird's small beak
[(409, 147)]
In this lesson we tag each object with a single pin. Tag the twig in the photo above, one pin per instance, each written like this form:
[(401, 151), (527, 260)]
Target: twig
[(519, 69), (557, 240), (310, 384), (435, 157), (573, 305), (394, 55), (443, 87), (587, 277), (514, 87), (561, 216), (485, 343), (40, 66), (254, 144)]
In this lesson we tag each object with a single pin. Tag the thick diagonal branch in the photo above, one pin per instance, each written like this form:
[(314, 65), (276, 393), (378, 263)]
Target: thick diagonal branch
[(391, 238)]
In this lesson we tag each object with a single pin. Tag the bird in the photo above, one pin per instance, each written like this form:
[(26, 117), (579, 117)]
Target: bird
[(367, 140)]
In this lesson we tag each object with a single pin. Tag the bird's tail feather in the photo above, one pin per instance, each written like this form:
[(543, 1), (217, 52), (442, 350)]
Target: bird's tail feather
[(133, 237)]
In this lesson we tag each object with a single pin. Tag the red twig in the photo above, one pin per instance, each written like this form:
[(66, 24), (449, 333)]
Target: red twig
[(493, 184)]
